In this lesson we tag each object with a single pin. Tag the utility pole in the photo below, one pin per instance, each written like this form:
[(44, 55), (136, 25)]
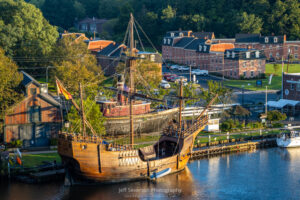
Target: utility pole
[(266, 108), (82, 112), (282, 65), (190, 73)]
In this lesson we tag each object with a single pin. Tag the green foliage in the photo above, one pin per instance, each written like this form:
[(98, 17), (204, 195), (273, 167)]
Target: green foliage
[(249, 23), (10, 79), (93, 115), (276, 68), (275, 116), (24, 32), (215, 87), (53, 141), (254, 125), (277, 125), (75, 64), (16, 143)]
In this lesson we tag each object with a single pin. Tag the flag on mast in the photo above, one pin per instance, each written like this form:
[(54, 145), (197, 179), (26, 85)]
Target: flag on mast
[(62, 90)]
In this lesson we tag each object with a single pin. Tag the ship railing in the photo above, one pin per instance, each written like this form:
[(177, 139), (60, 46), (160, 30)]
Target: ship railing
[(80, 138), (118, 147), (175, 132)]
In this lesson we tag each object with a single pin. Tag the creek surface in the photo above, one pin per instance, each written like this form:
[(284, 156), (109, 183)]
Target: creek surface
[(263, 174)]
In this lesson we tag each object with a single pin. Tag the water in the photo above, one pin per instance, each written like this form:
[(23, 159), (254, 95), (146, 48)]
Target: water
[(262, 174)]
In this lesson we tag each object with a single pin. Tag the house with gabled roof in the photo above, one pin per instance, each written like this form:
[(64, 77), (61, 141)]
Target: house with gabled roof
[(36, 118)]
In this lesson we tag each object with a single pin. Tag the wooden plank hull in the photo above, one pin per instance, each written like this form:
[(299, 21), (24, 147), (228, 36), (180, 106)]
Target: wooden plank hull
[(93, 162)]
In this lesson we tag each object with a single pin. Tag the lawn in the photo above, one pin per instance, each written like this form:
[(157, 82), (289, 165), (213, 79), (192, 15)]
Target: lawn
[(276, 80), (31, 160)]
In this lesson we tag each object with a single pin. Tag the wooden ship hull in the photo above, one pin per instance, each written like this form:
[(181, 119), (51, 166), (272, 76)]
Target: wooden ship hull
[(90, 160)]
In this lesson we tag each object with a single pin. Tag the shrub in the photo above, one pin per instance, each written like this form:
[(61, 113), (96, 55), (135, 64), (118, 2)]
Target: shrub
[(53, 142), (278, 125), (16, 143)]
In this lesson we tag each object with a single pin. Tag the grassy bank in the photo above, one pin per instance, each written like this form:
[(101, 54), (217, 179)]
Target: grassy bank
[(32, 160), (276, 80)]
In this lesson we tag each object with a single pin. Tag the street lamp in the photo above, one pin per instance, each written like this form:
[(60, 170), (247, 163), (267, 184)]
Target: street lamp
[(243, 89)]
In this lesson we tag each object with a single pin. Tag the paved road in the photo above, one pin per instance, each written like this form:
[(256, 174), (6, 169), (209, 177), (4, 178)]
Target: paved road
[(239, 96)]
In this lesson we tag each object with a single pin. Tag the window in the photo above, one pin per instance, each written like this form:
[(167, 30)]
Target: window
[(200, 47), (271, 56), (204, 48), (252, 73), (172, 34), (35, 114), (93, 27), (275, 39), (33, 91), (245, 74), (228, 54), (233, 54), (296, 55), (165, 41), (277, 55), (264, 46), (247, 54), (152, 58), (169, 41), (257, 54), (181, 34), (244, 64), (266, 39), (298, 87), (296, 48), (270, 47), (292, 86)]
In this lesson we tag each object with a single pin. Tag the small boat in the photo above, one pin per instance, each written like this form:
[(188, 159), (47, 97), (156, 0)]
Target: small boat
[(289, 138), (161, 173)]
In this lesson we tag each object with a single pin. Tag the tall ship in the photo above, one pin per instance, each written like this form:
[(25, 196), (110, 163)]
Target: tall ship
[(117, 111), (90, 159), (288, 138)]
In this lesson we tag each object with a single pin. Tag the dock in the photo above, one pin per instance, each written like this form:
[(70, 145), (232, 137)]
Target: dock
[(232, 147)]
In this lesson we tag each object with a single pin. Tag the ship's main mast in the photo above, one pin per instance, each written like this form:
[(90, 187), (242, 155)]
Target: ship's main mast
[(131, 62)]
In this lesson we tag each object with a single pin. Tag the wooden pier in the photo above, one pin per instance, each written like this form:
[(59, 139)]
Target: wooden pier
[(232, 147)]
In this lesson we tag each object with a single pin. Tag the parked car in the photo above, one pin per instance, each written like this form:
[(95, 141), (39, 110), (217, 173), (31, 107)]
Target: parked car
[(165, 75), (183, 68), (200, 72), (164, 84), (174, 78), (174, 67), (168, 78)]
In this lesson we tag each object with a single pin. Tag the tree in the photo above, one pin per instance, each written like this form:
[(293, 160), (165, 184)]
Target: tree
[(76, 64), (275, 116), (24, 33), (276, 68), (10, 90), (168, 14), (214, 87), (249, 23), (60, 12), (93, 115)]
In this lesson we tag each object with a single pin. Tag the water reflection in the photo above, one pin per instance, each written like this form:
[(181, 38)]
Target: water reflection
[(263, 174), (180, 185)]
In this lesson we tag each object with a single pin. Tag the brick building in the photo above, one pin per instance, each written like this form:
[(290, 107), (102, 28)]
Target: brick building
[(239, 62), (274, 47), (36, 118), (291, 86), (290, 102), (200, 50)]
